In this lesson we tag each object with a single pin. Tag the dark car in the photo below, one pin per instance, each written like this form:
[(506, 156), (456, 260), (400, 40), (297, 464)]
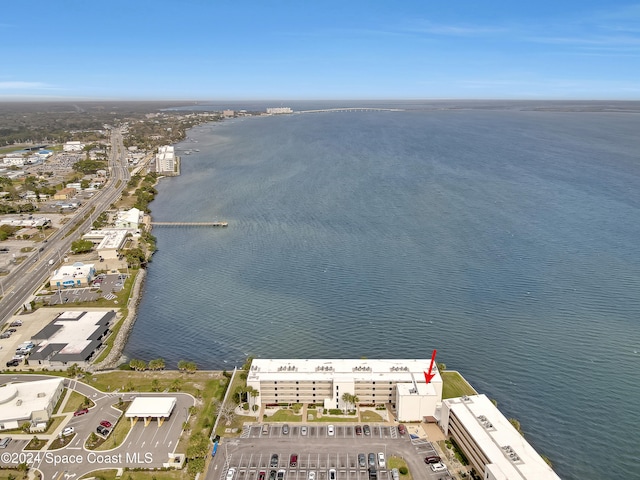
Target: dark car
[(11, 330), (5, 334), (274, 460), (293, 460), (367, 430), (82, 411), (432, 459), (372, 460), (362, 460), (272, 475), (14, 362), (102, 430), (358, 430), (401, 429)]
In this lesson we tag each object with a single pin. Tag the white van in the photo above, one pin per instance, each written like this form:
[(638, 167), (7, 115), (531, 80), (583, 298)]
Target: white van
[(5, 442)]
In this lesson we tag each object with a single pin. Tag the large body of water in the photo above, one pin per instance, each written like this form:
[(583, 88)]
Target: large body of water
[(507, 240)]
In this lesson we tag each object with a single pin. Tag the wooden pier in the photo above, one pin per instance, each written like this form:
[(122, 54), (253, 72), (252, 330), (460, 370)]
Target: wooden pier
[(189, 224)]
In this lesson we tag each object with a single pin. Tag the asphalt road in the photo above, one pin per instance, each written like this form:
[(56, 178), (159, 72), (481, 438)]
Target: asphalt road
[(22, 281)]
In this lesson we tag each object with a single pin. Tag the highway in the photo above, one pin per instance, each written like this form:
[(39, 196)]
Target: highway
[(22, 281)]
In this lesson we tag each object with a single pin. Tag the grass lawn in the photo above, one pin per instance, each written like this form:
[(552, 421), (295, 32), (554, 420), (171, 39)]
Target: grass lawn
[(454, 385), (75, 402), (236, 425), (397, 462), (330, 419), (14, 474), (284, 415), (369, 416), (139, 475)]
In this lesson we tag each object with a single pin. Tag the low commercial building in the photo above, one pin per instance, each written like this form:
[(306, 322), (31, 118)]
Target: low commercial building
[(65, 194), (494, 448), (109, 241), (72, 337), (400, 383), (73, 147), (31, 402), (129, 219), (149, 408), (76, 275)]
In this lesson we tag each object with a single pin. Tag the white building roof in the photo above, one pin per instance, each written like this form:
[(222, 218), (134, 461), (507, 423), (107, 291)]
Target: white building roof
[(19, 400), (509, 454), (109, 238), (69, 272), (390, 370), (151, 407)]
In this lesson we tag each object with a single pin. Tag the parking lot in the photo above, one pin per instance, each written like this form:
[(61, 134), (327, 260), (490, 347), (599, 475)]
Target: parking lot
[(319, 431), (319, 451)]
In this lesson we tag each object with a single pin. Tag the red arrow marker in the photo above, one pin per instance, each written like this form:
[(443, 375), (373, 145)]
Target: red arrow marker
[(428, 376)]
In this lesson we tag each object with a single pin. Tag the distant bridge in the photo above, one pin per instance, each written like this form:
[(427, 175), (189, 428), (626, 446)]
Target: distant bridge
[(353, 109), (189, 224)]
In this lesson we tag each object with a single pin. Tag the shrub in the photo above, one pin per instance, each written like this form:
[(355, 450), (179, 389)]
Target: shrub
[(403, 470)]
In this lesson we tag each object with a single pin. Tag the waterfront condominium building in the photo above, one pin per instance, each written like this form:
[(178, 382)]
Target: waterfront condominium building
[(491, 444), (400, 383), (165, 160)]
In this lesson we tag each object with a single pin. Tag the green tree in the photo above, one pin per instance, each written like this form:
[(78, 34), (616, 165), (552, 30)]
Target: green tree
[(155, 385), (81, 246)]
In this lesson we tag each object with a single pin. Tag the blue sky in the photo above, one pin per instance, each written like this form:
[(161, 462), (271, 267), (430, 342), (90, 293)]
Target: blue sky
[(304, 49)]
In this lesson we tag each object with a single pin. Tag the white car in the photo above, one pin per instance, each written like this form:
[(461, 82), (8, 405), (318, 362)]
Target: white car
[(68, 431), (312, 475), (333, 475), (230, 473), (438, 467), (381, 462), (303, 430), (330, 430)]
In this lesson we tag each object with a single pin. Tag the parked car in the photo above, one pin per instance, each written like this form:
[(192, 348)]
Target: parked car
[(16, 323), (5, 334), (285, 429), (395, 474), (330, 430), (81, 411), (432, 459), (372, 460), (14, 362), (274, 460), (303, 430), (230, 473), (367, 430), (68, 431), (105, 424), (102, 431), (362, 460), (438, 467), (262, 475), (358, 430), (312, 475), (381, 461), (293, 460), (280, 474), (402, 429), (272, 475), (265, 429), (11, 330), (333, 475)]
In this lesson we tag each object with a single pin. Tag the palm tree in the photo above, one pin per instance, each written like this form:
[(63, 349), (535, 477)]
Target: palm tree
[(254, 394)]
